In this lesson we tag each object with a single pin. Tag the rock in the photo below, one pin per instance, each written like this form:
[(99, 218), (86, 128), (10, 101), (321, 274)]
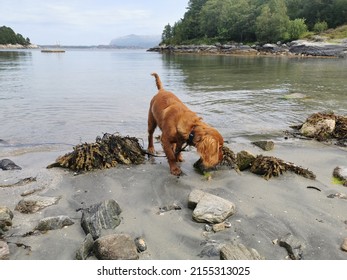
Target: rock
[(6, 217), (86, 247), (295, 95), (338, 195), (35, 203), (115, 247), (265, 145), (4, 251), (52, 223), (218, 227), (319, 126), (344, 245), (244, 160), (211, 248), (20, 183), (7, 164), (209, 208), (140, 244), (238, 251), (293, 246), (341, 174), (100, 217)]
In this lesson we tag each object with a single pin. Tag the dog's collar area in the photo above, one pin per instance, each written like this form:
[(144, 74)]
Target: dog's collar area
[(190, 138)]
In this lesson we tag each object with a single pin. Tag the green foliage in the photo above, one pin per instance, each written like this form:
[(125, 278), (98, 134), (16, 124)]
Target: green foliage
[(250, 20), (8, 36), (320, 26), (297, 28)]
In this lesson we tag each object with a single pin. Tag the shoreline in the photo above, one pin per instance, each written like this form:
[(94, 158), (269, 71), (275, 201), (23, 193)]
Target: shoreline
[(299, 48)]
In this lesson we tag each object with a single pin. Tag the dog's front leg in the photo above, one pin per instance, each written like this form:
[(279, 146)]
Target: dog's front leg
[(171, 157)]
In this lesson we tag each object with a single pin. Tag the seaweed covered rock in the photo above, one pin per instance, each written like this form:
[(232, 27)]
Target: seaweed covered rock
[(325, 126), (106, 152)]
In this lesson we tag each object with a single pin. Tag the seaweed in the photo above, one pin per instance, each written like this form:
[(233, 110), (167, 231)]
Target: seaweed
[(108, 151)]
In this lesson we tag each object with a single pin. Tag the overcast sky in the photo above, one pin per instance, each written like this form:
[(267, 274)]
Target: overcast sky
[(88, 22)]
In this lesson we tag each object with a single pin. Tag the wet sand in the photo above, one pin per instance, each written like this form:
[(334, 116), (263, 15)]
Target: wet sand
[(265, 210)]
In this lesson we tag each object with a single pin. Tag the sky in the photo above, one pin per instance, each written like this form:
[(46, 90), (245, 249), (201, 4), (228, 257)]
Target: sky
[(88, 22)]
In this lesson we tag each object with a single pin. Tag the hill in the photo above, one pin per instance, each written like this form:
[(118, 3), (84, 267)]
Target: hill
[(136, 41)]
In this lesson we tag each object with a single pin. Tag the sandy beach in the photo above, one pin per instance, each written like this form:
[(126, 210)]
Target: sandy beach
[(265, 210)]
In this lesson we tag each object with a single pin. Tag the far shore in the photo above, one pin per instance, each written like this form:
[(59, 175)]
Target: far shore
[(295, 49)]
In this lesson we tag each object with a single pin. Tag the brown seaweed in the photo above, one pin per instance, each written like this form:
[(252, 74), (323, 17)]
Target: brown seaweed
[(106, 152)]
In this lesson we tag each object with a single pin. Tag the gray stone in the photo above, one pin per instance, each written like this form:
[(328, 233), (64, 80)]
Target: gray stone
[(7, 164), (52, 223), (265, 145), (244, 160), (140, 244), (293, 246), (238, 251), (115, 247), (35, 203), (210, 208), (310, 129), (340, 172), (6, 217), (4, 251), (86, 248), (99, 218)]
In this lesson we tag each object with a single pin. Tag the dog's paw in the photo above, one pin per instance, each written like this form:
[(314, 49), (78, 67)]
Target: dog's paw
[(175, 170)]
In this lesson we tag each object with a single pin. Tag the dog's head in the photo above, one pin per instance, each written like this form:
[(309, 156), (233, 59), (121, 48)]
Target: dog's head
[(209, 143)]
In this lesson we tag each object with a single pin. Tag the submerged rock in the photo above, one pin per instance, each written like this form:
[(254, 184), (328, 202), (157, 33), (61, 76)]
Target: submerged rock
[(238, 251), (140, 244), (100, 217), (115, 247), (209, 208)]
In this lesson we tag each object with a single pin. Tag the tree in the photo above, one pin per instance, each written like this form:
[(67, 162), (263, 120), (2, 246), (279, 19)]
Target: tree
[(166, 37), (8, 36), (273, 22), (296, 28)]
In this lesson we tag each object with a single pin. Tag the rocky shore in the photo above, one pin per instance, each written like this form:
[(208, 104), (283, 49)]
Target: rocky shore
[(295, 48), (17, 46)]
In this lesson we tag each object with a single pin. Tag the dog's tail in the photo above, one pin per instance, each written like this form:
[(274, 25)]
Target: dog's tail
[(158, 81)]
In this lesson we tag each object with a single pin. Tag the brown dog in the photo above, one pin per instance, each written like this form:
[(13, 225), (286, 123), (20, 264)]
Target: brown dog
[(179, 125)]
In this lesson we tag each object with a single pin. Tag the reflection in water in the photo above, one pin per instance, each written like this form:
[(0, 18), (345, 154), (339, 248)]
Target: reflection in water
[(247, 95)]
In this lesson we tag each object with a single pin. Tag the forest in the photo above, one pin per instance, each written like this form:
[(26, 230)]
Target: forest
[(263, 21), (8, 36)]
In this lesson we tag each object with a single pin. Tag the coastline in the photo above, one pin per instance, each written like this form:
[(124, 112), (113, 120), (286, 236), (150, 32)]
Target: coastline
[(18, 46), (297, 48)]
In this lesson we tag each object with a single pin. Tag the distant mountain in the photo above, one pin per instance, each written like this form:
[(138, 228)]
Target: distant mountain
[(136, 41)]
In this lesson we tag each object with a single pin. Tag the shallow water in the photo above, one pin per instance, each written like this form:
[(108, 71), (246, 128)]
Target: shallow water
[(53, 99)]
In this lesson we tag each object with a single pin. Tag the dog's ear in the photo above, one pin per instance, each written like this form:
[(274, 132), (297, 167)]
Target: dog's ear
[(208, 148)]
